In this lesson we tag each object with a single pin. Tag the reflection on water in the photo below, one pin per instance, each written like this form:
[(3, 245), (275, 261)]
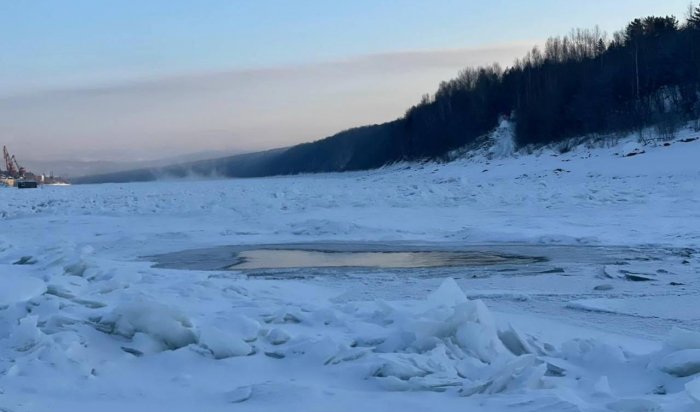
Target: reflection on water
[(388, 261), (291, 258)]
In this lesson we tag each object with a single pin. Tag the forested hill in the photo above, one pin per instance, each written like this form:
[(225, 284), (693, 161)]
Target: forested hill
[(585, 83)]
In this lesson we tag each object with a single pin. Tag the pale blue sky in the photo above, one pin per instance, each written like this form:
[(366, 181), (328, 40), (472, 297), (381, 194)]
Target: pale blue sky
[(80, 44), (50, 41)]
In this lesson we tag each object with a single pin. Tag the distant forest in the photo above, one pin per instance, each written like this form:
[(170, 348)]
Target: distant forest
[(582, 84)]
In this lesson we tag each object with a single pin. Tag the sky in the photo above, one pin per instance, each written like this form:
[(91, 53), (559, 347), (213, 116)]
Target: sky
[(133, 79)]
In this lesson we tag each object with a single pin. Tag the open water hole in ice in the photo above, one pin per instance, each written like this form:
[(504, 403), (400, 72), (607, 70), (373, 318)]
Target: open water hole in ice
[(295, 260), (338, 256)]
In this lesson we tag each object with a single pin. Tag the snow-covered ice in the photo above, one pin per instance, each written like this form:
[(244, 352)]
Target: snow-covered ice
[(87, 323)]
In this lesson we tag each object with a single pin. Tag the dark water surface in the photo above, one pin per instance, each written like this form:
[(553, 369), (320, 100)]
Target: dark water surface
[(417, 259), (381, 259)]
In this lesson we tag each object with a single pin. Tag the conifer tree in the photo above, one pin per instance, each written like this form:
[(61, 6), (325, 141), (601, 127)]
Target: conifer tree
[(694, 18)]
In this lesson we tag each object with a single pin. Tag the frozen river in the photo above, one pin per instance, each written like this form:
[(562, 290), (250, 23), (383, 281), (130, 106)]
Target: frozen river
[(545, 282)]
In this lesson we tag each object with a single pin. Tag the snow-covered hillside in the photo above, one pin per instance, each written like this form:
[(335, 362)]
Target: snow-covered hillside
[(87, 324)]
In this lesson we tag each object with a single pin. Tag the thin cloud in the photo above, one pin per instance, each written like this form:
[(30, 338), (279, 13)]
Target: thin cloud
[(245, 109)]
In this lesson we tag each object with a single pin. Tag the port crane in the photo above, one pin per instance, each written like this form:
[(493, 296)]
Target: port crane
[(12, 167), (17, 176)]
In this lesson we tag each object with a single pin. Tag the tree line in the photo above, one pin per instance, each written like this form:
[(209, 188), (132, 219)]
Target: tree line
[(583, 84)]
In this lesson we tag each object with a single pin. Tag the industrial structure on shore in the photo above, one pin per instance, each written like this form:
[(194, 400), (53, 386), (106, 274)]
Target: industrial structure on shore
[(15, 175)]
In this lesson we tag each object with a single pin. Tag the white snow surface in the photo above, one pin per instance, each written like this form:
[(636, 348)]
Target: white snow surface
[(87, 324), (503, 139)]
